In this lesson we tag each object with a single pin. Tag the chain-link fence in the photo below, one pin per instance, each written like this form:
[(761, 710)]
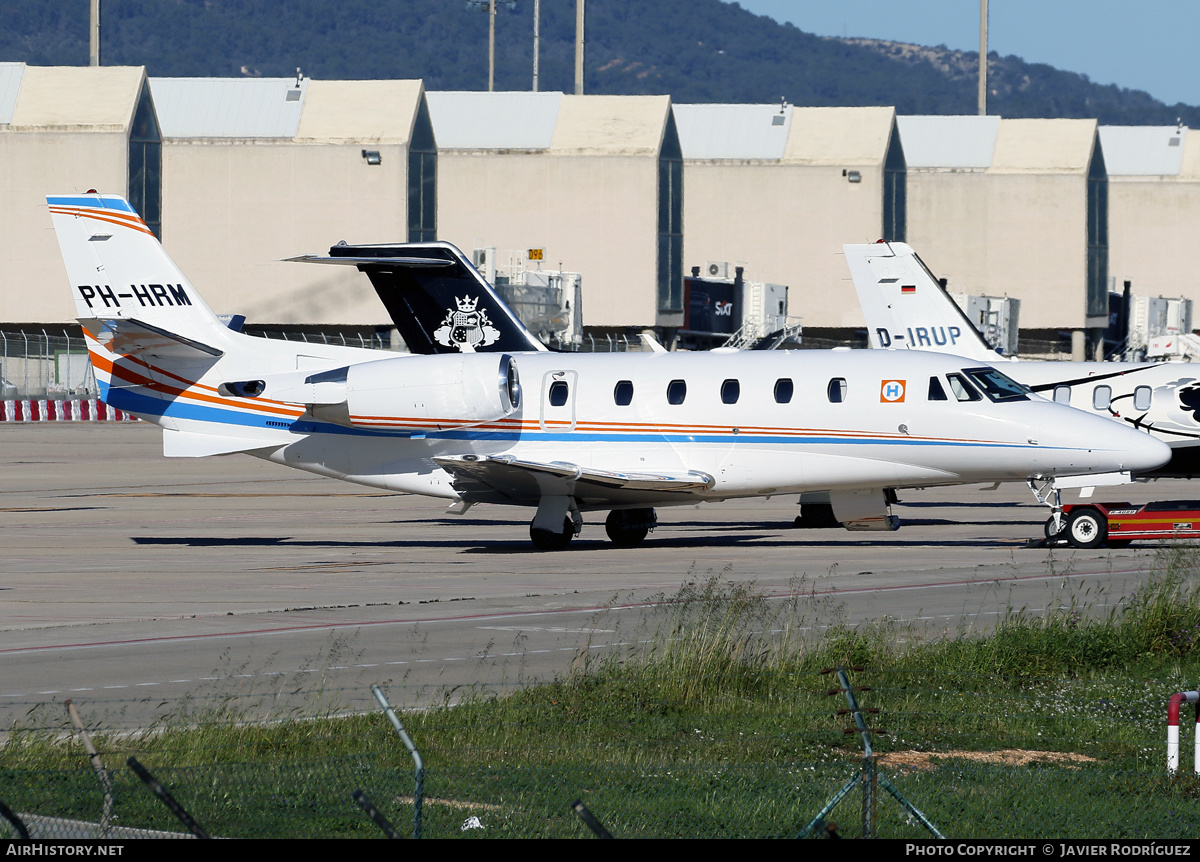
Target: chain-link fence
[(45, 364), (959, 756), (53, 364), (314, 798)]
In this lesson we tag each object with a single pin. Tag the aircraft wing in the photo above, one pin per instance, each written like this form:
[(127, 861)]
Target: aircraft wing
[(505, 479)]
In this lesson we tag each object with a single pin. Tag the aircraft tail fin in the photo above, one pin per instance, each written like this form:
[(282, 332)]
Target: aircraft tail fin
[(119, 272), (436, 298), (906, 307)]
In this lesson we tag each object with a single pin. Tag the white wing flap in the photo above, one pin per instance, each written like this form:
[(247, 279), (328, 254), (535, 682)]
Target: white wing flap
[(477, 476)]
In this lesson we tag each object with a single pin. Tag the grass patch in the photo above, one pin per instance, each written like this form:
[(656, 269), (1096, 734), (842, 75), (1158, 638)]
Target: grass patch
[(716, 716)]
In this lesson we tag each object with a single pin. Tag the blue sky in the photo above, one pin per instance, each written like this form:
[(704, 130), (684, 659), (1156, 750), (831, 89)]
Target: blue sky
[(1146, 45)]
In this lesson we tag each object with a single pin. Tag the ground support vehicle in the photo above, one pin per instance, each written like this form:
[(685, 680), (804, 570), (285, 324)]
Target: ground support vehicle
[(1115, 525)]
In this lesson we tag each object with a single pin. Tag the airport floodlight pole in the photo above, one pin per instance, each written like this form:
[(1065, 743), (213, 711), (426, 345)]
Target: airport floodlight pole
[(580, 15), (489, 6), (537, 21), (94, 30), (983, 52)]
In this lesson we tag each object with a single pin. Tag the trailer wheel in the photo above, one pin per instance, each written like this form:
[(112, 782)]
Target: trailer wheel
[(1086, 528)]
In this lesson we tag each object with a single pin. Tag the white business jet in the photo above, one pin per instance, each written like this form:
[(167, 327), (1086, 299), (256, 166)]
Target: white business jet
[(906, 307), (559, 432)]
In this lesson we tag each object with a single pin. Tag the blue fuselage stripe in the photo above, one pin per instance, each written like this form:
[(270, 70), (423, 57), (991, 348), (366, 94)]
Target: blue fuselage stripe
[(134, 402)]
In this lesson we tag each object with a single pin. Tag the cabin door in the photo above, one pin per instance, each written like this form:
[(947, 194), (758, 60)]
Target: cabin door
[(558, 400)]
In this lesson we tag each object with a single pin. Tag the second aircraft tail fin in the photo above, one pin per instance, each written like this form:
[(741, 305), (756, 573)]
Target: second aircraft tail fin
[(906, 307), (436, 298)]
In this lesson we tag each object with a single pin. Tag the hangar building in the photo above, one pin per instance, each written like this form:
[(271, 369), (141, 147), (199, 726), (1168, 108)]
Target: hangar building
[(779, 189), (1013, 207), (1153, 208), (67, 129), (594, 181), (258, 170)]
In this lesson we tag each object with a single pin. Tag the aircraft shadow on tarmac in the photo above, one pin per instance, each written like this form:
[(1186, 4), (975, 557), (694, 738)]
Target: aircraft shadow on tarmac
[(738, 535), (905, 504)]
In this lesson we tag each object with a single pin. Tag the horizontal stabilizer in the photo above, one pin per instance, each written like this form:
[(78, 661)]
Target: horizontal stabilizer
[(527, 481), (435, 297), (188, 444), (428, 262), (131, 337)]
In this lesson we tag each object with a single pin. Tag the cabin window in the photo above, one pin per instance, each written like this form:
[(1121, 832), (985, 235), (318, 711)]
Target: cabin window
[(783, 390), (676, 391), (936, 392), (1141, 398), (836, 390), (962, 390), (1062, 394), (623, 393), (730, 391), (1101, 397), (558, 393)]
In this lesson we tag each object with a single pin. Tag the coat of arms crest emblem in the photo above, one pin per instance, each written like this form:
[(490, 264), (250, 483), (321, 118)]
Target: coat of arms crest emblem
[(467, 327)]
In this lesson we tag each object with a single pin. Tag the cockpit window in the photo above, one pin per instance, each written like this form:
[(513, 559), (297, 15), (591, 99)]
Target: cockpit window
[(997, 386), (936, 392), (962, 390)]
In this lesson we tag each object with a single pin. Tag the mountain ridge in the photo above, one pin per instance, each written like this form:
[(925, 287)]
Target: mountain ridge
[(696, 51)]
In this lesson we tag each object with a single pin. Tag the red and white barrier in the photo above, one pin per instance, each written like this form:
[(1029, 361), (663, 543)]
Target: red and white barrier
[(50, 410), (1173, 705)]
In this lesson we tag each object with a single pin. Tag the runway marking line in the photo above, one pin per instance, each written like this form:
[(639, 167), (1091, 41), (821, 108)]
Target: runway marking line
[(283, 630)]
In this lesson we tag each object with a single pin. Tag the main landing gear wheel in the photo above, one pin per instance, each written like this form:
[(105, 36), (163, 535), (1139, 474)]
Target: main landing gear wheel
[(1086, 528), (627, 528), (546, 540)]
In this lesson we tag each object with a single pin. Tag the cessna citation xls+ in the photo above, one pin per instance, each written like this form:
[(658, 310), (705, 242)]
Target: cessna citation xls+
[(562, 433)]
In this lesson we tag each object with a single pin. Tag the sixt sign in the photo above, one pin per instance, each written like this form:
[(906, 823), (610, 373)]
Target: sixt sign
[(147, 295), (919, 336)]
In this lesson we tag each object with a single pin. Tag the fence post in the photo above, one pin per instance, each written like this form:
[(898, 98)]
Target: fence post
[(418, 764), (101, 772), (45, 362), (166, 798)]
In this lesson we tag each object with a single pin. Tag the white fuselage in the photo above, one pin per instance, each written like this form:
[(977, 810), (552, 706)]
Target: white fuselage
[(852, 419)]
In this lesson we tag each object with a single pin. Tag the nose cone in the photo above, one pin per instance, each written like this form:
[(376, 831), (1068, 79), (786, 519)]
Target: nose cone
[(1147, 453), (1086, 443)]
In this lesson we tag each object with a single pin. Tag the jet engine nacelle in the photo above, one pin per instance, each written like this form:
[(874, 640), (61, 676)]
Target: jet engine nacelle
[(405, 392)]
